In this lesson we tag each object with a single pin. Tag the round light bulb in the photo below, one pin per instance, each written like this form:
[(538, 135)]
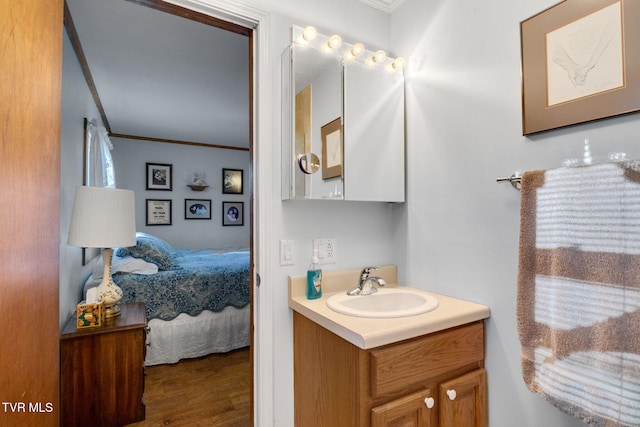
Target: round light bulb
[(399, 63), (348, 56), (357, 49), (370, 62), (335, 41), (379, 56), (309, 33)]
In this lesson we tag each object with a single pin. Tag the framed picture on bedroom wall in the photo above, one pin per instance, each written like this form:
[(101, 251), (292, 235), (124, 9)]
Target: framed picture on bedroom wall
[(159, 177), (232, 181), (197, 209), (232, 213), (580, 63), (158, 212)]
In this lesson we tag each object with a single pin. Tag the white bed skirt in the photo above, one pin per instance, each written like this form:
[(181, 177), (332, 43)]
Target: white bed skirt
[(187, 337)]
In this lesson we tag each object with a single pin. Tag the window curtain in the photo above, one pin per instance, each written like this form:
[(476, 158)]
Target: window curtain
[(100, 170)]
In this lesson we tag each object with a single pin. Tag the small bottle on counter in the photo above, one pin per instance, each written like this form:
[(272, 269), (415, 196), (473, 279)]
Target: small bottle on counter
[(314, 278)]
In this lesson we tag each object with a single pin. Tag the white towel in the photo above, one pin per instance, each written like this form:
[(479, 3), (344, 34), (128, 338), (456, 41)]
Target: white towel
[(579, 290)]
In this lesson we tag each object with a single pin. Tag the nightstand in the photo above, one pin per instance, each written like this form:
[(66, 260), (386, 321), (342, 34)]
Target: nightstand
[(102, 370)]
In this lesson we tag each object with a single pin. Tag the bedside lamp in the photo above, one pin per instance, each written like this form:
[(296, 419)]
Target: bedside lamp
[(104, 218)]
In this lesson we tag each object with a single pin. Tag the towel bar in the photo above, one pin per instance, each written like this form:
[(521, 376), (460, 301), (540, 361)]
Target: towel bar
[(514, 180)]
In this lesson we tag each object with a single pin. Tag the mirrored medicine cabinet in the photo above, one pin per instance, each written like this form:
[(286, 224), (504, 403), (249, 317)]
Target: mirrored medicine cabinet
[(342, 121)]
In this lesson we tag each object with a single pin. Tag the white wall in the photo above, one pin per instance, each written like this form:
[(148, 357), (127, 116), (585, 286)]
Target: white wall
[(130, 158), (459, 228), (363, 230), (77, 104)]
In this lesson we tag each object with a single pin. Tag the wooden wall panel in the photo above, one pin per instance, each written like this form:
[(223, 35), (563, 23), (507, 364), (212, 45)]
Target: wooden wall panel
[(31, 64)]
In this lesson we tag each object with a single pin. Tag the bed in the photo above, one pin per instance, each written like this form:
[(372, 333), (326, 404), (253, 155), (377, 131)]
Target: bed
[(196, 301)]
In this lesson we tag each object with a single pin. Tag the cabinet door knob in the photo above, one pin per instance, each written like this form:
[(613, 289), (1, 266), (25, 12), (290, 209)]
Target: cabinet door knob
[(429, 402), (452, 394)]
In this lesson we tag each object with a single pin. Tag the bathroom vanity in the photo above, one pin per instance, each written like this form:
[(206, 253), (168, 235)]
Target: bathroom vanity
[(422, 370)]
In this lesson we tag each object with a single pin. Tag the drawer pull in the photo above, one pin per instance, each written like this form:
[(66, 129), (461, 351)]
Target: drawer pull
[(452, 394), (429, 402)]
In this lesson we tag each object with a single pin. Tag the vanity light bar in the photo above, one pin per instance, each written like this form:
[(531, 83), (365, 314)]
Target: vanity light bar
[(308, 36)]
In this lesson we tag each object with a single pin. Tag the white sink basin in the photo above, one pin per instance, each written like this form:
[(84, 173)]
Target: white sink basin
[(389, 302)]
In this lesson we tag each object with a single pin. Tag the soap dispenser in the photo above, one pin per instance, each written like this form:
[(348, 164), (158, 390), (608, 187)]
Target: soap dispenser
[(314, 278)]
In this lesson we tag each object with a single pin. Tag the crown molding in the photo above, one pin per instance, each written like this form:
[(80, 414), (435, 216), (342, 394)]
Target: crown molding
[(387, 6)]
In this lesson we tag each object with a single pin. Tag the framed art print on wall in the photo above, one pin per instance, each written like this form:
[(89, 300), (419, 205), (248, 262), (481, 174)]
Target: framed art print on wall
[(232, 181), (159, 176), (232, 213), (158, 212), (580, 63), (197, 209)]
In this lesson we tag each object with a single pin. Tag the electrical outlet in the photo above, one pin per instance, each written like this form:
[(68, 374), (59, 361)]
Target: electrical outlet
[(286, 252), (326, 250)]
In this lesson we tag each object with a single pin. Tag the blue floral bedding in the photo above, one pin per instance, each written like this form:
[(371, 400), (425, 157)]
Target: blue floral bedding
[(200, 280)]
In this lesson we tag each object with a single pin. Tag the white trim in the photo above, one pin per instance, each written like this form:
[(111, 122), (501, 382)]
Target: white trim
[(387, 6), (259, 20)]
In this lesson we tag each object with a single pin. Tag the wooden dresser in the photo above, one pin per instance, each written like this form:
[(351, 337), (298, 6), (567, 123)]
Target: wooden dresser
[(102, 370)]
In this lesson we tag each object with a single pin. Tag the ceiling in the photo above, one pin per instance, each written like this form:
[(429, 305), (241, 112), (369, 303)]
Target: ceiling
[(161, 76)]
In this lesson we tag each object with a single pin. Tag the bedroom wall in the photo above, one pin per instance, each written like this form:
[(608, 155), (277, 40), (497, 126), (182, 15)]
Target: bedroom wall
[(77, 103), (459, 229), (130, 158)]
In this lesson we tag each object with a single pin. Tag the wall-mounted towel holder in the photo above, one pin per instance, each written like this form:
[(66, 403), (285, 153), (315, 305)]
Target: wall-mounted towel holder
[(587, 159), (515, 180)]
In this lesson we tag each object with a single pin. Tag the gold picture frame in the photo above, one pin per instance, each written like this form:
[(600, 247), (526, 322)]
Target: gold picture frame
[(580, 63), (332, 149)]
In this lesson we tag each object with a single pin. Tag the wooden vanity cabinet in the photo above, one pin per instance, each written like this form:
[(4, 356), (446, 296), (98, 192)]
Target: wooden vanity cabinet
[(408, 383)]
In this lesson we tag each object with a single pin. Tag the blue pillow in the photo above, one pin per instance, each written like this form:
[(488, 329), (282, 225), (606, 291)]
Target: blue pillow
[(151, 249)]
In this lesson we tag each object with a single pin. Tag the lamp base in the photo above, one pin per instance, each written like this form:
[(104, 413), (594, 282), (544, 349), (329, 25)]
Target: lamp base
[(109, 292), (112, 311)]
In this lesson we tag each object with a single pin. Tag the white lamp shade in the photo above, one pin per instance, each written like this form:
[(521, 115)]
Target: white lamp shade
[(103, 218)]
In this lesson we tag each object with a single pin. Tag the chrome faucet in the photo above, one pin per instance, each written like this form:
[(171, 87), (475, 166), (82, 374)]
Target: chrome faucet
[(366, 282)]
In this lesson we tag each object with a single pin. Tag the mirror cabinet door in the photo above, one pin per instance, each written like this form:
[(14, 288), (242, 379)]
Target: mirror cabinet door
[(342, 128), (312, 103), (374, 153)]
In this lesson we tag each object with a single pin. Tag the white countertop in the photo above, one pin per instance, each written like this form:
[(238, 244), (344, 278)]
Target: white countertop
[(368, 333)]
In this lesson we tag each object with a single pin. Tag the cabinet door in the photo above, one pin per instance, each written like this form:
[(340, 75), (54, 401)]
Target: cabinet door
[(413, 410), (463, 401)]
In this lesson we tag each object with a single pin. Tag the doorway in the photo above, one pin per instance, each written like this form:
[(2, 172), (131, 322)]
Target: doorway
[(256, 20)]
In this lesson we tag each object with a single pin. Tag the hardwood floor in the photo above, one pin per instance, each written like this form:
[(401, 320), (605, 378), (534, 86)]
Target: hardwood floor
[(214, 390)]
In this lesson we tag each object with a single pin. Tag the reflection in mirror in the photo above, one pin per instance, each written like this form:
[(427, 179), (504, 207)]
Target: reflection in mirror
[(332, 150), (314, 69), (309, 163), (318, 101)]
